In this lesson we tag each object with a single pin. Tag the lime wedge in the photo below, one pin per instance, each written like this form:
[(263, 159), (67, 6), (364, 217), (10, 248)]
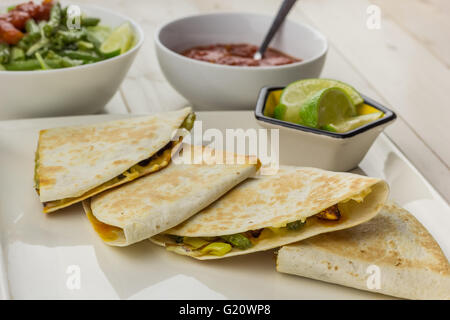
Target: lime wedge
[(119, 41), (281, 112), (98, 34), (331, 105), (353, 123), (296, 93)]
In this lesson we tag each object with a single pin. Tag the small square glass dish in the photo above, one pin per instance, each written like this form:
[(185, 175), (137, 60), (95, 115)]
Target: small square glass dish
[(318, 148)]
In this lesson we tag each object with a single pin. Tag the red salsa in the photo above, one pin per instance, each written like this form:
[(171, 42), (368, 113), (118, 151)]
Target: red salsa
[(238, 55), (12, 24)]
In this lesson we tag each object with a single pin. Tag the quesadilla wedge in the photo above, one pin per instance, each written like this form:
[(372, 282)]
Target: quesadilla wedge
[(411, 264), (271, 211), (162, 200), (75, 163)]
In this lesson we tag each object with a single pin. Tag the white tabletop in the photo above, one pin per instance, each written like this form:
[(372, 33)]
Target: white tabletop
[(404, 64)]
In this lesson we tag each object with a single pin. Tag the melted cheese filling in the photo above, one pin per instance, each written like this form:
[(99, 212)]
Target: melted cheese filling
[(157, 162), (268, 232), (106, 232)]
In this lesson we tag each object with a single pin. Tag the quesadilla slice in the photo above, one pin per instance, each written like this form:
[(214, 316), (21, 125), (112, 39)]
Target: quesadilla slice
[(409, 261), (162, 200), (78, 162), (271, 211)]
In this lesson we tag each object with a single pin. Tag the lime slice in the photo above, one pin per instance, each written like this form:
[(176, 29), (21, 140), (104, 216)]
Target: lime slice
[(119, 41), (331, 105), (281, 112), (296, 93), (98, 34), (353, 123)]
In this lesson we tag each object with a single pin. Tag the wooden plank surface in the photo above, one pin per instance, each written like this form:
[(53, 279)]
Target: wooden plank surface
[(116, 105), (404, 64)]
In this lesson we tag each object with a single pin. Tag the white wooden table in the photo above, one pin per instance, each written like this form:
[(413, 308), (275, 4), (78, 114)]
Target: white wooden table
[(404, 64)]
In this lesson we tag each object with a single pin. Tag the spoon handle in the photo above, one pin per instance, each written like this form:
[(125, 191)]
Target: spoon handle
[(285, 7)]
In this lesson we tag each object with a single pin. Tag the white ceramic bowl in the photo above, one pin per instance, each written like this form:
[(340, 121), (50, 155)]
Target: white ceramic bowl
[(304, 146), (211, 86), (72, 91)]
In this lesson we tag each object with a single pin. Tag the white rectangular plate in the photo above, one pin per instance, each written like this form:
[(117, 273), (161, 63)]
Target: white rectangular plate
[(59, 256)]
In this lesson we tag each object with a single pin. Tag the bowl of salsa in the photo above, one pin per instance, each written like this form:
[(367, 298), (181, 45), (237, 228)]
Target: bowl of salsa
[(240, 54), (208, 58)]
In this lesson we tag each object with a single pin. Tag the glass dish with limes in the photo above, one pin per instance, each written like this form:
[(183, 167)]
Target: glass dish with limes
[(325, 122)]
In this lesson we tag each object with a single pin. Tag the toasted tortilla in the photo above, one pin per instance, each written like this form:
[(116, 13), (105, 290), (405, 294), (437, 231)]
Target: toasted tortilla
[(411, 263), (294, 193), (160, 201), (75, 163)]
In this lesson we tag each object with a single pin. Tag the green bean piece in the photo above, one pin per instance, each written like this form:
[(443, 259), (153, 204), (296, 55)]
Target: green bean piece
[(5, 53), (89, 21), (52, 55), (295, 225), (67, 62), (23, 43), (11, 8), (54, 21), (37, 46), (33, 32), (64, 16), (28, 40), (238, 240), (54, 63), (17, 54), (56, 43), (71, 36), (34, 64), (84, 45), (26, 65), (39, 58), (32, 28), (64, 62), (81, 55)]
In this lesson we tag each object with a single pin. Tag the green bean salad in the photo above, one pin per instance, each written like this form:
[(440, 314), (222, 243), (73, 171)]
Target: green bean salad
[(62, 41)]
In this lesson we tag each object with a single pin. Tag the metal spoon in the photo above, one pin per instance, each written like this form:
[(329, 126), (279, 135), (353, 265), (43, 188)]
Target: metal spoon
[(285, 7)]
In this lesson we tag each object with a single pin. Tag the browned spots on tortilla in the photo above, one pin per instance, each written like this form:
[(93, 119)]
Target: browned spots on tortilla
[(51, 169), (167, 188), (46, 181), (394, 238), (119, 162), (274, 201), (194, 228), (283, 184), (93, 135), (327, 180), (46, 174)]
